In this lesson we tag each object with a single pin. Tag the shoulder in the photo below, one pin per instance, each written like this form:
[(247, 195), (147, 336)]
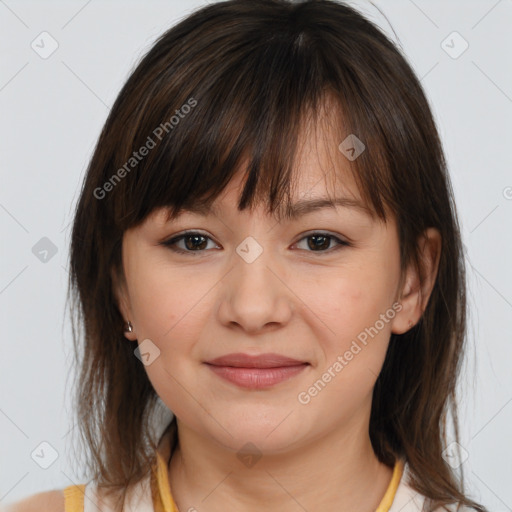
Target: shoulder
[(51, 501)]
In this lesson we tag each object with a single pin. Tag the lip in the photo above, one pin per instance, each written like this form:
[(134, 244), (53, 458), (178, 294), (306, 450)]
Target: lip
[(256, 372), (268, 360)]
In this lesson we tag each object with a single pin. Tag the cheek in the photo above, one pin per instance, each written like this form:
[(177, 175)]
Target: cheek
[(169, 308), (156, 310), (163, 298), (352, 340), (344, 310), (349, 299)]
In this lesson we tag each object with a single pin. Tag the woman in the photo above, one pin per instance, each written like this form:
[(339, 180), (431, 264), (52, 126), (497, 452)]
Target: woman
[(266, 245)]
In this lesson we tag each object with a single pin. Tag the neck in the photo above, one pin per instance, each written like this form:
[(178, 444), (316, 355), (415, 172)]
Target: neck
[(339, 471)]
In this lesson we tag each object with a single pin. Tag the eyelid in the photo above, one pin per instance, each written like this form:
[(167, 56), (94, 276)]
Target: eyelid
[(169, 242), (339, 237), (340, 241), (189, 232)]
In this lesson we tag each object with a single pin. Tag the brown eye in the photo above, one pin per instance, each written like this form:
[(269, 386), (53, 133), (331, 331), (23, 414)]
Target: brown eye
[(321, 242), (192, 242)]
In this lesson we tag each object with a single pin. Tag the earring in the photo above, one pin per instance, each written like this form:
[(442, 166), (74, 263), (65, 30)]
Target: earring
[(410, 323), (128, 327)]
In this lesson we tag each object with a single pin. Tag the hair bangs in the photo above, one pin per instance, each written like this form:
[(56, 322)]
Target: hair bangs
[(252, 121)]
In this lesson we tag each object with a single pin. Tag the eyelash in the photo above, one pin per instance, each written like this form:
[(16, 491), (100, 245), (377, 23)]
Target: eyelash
[(172, 242)]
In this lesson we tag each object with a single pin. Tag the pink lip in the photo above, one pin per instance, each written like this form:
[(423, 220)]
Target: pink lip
[(256, 372), (269, 360)]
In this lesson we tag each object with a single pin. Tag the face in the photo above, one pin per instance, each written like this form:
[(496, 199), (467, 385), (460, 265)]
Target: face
[(321, 288)]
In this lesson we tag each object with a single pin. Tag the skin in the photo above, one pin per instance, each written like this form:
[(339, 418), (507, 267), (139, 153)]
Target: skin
[(292, 300)]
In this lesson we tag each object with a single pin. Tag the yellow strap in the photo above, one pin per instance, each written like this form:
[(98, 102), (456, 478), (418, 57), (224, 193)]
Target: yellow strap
[(388, 498), (74, 498), (163, 485)]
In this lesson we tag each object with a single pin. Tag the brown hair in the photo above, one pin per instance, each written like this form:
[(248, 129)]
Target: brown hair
[(234, 82)]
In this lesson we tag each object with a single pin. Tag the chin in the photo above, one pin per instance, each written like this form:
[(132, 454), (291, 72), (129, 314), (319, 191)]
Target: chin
[(268, 434)]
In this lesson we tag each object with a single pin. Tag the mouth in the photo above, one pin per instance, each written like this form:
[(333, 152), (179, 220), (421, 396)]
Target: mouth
[(256, 372)]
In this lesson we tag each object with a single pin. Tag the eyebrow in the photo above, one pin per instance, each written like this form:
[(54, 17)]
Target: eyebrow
[(306, 206), (295, 210)]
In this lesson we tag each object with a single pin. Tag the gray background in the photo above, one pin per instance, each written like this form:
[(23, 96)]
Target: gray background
[(52, 112)]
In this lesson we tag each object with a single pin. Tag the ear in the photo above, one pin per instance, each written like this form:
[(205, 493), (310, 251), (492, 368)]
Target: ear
[(120, 291), (414, 295)]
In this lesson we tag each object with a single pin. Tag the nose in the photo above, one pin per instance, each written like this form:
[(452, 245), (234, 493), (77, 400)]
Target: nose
[(255, 296)]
